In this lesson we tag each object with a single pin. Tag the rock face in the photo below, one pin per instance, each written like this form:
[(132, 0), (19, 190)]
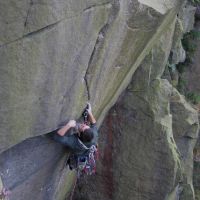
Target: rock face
[(196, 171), (148, 139), (35, 169), (185, 129), (73, 53), (55, 56), (192, 78), (41, 58)]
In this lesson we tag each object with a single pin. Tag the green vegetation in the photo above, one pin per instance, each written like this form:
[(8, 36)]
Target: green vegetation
[(181, 87), (193, 97), (172, 67), (195, 2), (189, 43), (190, 46)]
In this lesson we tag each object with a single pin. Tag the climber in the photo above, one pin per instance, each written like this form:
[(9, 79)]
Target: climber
[(78, 136)]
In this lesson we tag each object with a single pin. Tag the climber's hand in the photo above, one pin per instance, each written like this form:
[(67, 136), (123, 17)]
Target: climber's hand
[(64, 129), (89, 109), (72, 123), (90, 115)]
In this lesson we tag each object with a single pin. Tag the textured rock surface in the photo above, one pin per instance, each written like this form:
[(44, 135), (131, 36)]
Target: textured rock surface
[(178, 53), (63, 54), (187, 17), (196, 171), (19, 18), (185, 130), (40, 91), (148, 139), (197, 14), (184, 24), (192, 75), (37, 172), (56, 55)]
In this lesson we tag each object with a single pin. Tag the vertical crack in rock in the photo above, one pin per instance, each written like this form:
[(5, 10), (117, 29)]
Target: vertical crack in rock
[(28, 12), (87, 87), (89, 63), (100, 39)]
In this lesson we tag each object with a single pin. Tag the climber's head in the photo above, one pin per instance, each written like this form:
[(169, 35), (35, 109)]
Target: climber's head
[(86, 133), (83, 127)]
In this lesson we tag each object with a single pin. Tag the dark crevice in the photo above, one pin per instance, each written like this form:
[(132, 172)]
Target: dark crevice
[(89, 64), (189, 137), (32, 33), (10, 42), (28, 12), (87, 87), (96, 5), (42, 29), (100, 39)]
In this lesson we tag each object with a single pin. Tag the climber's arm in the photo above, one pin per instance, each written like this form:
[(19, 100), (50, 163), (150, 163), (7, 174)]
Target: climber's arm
[(90, 115), (64, 129), (91, 118)]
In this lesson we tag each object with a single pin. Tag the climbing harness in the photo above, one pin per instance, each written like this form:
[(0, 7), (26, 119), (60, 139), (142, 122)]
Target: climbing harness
[(4, 194), (84, 164)]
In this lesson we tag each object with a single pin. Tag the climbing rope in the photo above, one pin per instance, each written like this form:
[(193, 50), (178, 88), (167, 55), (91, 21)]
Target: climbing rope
[(74, 186), (4, 194)]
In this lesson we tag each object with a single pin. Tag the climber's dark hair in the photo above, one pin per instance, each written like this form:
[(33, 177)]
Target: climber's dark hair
[(87, 135)]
